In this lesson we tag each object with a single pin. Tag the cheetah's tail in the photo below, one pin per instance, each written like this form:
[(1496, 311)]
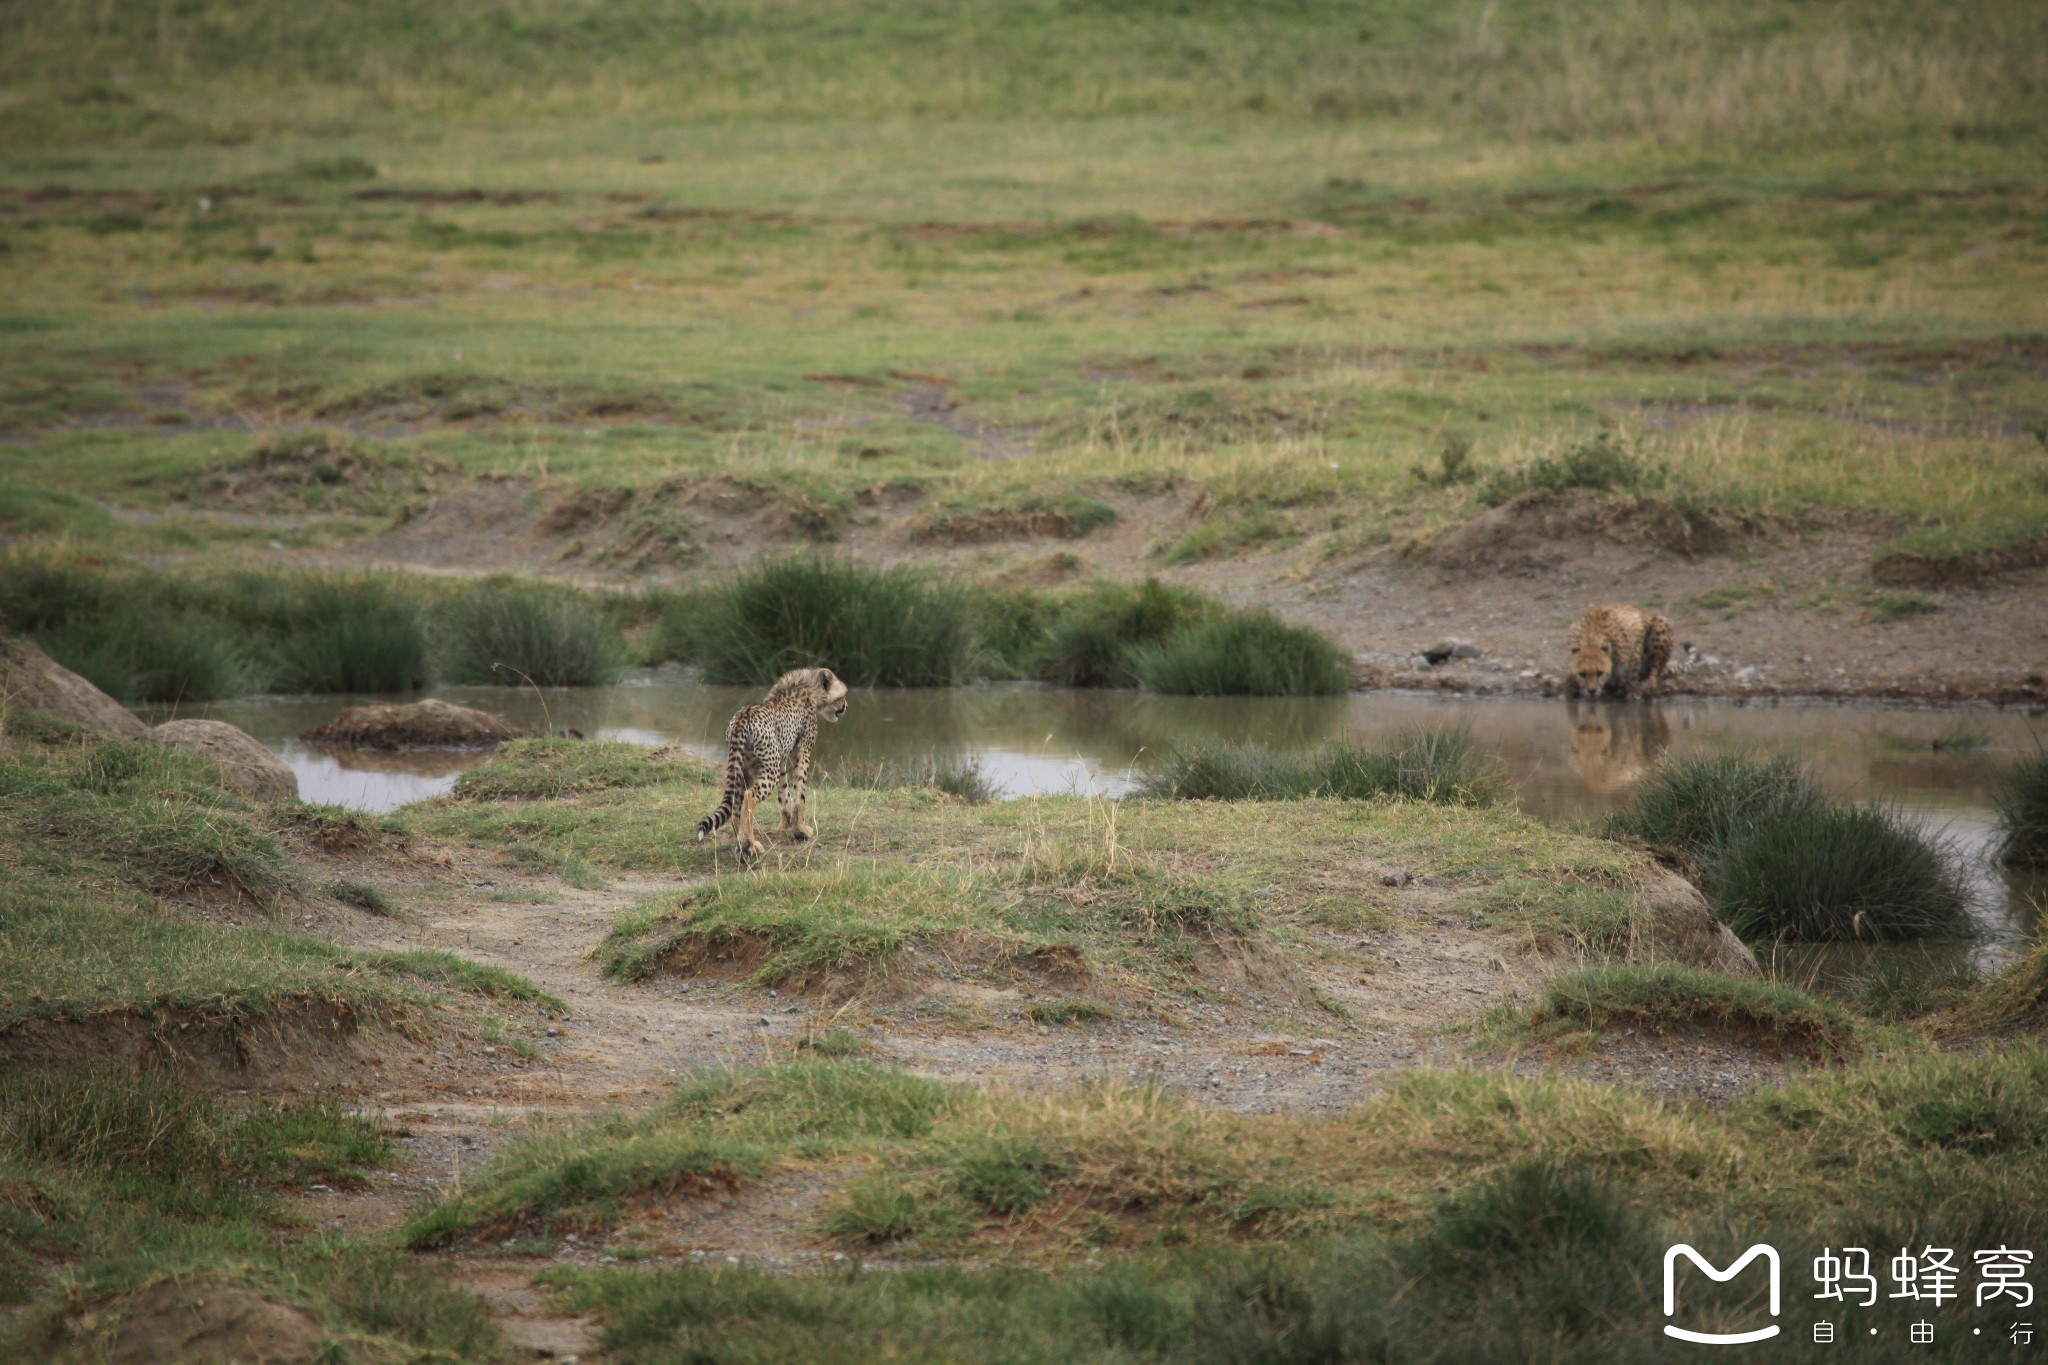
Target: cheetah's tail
[(718, 818)]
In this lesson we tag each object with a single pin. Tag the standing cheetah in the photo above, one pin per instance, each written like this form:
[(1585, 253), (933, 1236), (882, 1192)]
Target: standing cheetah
[(768, 749), (1616, 650)]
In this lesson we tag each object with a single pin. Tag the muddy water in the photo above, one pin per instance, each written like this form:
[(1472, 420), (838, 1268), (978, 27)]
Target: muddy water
[(1568, 762)]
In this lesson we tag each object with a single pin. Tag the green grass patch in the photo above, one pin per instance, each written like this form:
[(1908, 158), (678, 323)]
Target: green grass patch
[(873, 627), (2021, 797), (1601, 464), (364, 896), (1420, 765), (1664, 998), (1244, 654), (1777, 860), (968, 522), (1092, 638), (1857, 873), (2014, 997), (1066, 1011), (1887, 607), (503, 631), (447, 969)]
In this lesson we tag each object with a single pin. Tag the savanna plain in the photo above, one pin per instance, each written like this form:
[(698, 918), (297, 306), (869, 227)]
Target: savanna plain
[(1205, 347)]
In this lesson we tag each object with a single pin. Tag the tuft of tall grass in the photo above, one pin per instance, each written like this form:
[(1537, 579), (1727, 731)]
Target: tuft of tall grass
[(1840, 873), (350, 635), (1244, 654), (873, 627), (2022, 800), (1093, 638), (1597, 465), (504, 631), (137, 654), (1778, 860), (1692, 807), (1418, 765)]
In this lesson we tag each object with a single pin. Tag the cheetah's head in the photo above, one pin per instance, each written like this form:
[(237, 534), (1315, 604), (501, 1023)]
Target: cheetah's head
[(831, 694), (827, 692), (1592, 667)]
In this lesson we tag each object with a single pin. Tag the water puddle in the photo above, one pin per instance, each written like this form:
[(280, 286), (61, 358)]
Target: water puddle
[(1568, 762)]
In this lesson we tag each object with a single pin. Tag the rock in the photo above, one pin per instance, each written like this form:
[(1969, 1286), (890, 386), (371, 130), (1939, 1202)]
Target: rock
[(1396, 876), (1686, 931), (1443, 651), (31, 678), (421, 725), (249, 768)]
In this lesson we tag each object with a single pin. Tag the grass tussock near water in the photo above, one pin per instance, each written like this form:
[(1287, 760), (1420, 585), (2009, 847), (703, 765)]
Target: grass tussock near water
[(873, 627), (1777, 859), (903, 627), (2022, 801), (511, 632), (1421, 765), (950, 773)]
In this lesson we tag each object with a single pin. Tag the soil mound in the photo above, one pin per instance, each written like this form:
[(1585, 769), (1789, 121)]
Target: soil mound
[(249, 768), (420, 725), (1908, 569), (31, 678), (205, 1322), (320, 469), (1538, 531)]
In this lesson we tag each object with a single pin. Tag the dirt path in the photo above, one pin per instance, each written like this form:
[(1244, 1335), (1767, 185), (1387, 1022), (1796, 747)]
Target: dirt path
[(1252, 1047)]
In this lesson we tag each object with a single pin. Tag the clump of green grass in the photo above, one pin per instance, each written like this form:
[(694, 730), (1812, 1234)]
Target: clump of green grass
[(364, 896), (1418, 765), (1244, 654), (951, 773), (1092, 640), (1855, 873), (448, 969), (962, 522), (1887, 607), (1694, 807), (1666, 997), (1067, 1010), (349, 635), (873, 627), (138, 654), (1778, 860), (1598, 465), (549, 769), (2021, 797), (509, 632), (1895, 991)]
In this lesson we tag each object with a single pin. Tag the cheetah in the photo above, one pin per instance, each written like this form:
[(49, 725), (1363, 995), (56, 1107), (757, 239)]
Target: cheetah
[(768, 749), (1616, 650)]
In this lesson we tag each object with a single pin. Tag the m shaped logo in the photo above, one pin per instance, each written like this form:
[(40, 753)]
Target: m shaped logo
[(1671, 1255)]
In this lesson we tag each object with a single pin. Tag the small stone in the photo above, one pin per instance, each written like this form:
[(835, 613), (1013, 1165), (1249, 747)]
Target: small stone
[(764, 1021), (1526, 673), (1399, 876)]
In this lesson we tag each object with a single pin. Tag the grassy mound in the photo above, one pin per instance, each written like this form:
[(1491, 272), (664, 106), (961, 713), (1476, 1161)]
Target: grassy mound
[(1665, 997), (1418, 765), (2015, 998), (1778, 860), (873, 627), (509, 632), (2022, 800), (548, 769)]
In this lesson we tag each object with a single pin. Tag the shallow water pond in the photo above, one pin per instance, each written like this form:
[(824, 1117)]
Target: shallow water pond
[(1568, 761)]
